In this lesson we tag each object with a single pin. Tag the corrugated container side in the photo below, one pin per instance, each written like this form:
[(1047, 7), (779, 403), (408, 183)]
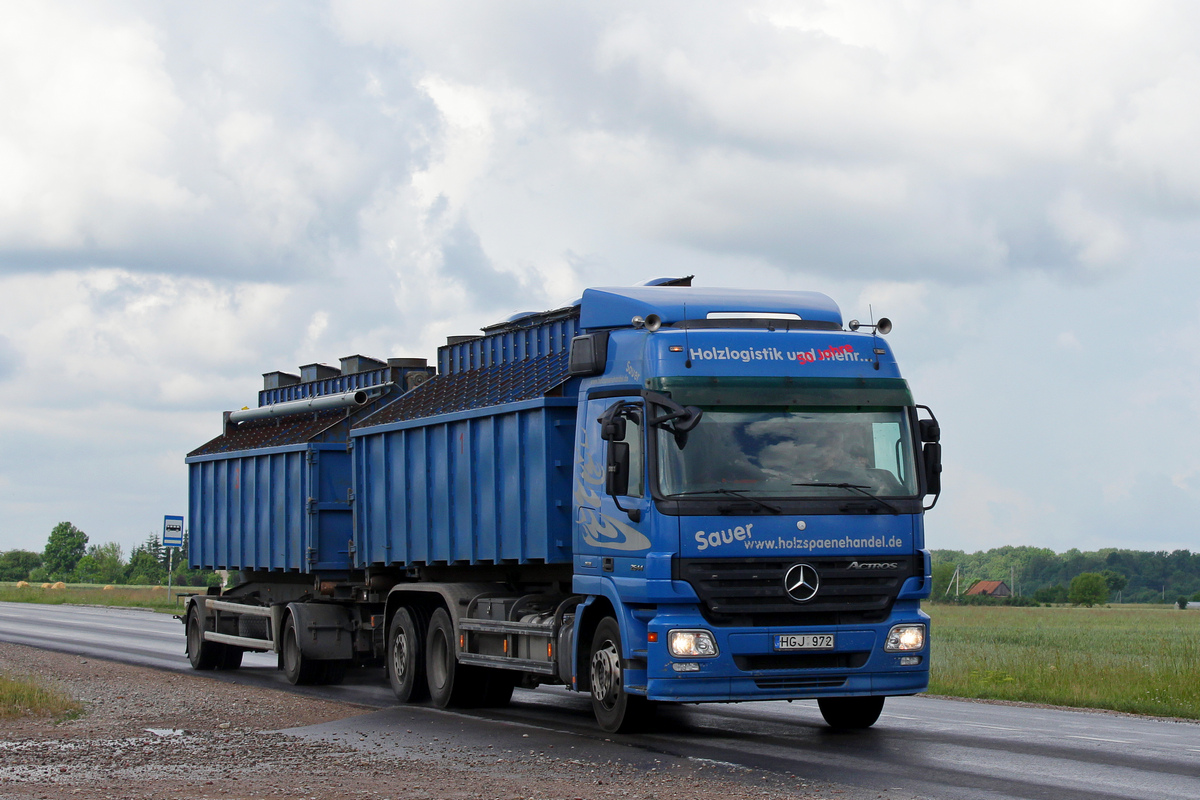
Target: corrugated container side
[(507, 345), (282, 509), (483, 486)]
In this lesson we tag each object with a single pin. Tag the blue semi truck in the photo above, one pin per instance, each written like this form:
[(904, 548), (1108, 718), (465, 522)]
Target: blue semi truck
[(656, 494)]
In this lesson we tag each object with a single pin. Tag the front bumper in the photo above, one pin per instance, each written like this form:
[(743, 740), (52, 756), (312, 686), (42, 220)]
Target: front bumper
[(748, 668)]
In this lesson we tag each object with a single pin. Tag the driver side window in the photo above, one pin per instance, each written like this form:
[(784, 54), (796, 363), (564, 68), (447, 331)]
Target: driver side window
[(633, 437)]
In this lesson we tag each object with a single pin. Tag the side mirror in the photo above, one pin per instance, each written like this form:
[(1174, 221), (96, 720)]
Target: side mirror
[(589, 354), (616, 479), (612, 424), (689, 420), (932, 453), (930, 430)]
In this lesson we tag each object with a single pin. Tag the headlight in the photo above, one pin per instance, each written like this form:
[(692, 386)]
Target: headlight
[(905, 638), (691, 644)]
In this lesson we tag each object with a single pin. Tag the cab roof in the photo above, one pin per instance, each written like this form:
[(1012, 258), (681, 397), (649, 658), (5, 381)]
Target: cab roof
[(614, 307)]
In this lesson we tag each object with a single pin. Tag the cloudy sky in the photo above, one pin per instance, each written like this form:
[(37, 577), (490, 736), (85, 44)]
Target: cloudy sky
[(192, 194)]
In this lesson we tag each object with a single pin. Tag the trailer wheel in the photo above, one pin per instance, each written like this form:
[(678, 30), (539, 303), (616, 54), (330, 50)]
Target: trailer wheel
[(616, 710), (406, 655), (231, 658), (297, 668), (850, 713), (332, 672), (201, 654), (450, 683)]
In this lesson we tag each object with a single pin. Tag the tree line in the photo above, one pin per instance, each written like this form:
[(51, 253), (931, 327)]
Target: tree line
[(1041, 575), (68, 557)]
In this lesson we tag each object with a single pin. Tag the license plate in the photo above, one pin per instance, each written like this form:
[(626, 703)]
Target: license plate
[(804, 641)]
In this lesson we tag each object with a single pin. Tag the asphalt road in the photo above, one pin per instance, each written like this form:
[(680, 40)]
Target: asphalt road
[(921, 747)]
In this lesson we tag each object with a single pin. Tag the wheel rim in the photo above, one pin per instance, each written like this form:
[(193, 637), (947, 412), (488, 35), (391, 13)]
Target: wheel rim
[(400, 656), (606, 675)]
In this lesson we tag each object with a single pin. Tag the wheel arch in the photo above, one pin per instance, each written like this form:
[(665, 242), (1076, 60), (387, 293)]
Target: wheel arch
[(324, 631)]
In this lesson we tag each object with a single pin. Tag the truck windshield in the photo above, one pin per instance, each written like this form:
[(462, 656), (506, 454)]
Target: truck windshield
[(791, 453)]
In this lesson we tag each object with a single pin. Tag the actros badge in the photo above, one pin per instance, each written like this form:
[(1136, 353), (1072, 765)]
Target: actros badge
[(801, 582)]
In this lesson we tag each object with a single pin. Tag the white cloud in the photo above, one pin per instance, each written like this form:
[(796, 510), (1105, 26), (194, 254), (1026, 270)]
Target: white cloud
[(197, 195), (86, 125)]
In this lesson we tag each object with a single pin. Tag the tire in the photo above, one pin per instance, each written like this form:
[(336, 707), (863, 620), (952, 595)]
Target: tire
[(616, 710), (332, 672), (201, 654), (498, 688), (297, 668), (450, 684), (406, 655), (850, 713), (231, 658)]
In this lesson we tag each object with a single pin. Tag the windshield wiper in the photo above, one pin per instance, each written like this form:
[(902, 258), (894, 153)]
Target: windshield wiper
[(853, 487), (734, 493)]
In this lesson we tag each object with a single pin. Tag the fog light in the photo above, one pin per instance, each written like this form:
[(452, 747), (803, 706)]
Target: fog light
[(909, 661), (685, 666), (692, 644), (903, 638)]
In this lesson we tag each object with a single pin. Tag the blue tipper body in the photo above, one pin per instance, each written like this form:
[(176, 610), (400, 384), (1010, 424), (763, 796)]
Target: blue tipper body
[(499, 459)]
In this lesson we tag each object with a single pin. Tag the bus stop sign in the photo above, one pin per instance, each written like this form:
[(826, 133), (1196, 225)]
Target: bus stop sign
[(172, 531)]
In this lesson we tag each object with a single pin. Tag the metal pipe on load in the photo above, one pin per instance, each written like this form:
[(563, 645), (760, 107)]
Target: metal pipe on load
[(322, 403)]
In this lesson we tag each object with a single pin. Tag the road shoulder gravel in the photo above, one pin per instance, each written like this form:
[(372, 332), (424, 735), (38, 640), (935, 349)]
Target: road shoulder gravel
[(154, 734)]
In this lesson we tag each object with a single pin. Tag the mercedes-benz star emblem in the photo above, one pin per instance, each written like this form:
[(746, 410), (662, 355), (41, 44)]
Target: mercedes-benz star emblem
[(801, 582)]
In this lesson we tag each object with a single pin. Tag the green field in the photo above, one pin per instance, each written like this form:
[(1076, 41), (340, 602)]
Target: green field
[(153, 597), (1141, 659)]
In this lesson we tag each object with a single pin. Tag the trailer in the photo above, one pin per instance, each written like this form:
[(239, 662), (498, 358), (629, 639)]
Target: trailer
[(656, 494)]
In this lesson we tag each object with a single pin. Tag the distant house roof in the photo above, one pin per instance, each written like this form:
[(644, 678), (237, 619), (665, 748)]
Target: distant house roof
[(991, 589)]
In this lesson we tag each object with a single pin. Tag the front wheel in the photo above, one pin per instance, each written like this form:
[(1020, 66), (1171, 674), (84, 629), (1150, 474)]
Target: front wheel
[(850, 713), (616, 710)]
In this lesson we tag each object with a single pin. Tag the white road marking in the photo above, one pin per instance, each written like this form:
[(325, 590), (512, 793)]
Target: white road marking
[(992, 727), (1098, 739)]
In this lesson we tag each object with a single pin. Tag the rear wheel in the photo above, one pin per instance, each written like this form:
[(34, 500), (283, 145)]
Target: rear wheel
[(406, 656), (298, 668), (616, 710), (498, 690), (450, 683), (850, 713), (231, 658), (201, 654)]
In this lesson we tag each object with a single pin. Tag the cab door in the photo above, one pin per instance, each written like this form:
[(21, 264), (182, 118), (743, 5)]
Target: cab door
[(611, 488)]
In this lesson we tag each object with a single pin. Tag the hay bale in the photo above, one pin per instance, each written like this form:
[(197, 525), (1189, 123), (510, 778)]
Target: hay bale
[(45, 586), (22, 584), (59, 585), (158, 588), (109, 588)]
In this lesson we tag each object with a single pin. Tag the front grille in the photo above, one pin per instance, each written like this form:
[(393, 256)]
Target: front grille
[(801, 661), (749, 592)]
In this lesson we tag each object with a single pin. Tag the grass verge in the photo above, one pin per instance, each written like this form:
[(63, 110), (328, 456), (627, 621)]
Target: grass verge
[(151, 597), (1144, 660), (24, 697)]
